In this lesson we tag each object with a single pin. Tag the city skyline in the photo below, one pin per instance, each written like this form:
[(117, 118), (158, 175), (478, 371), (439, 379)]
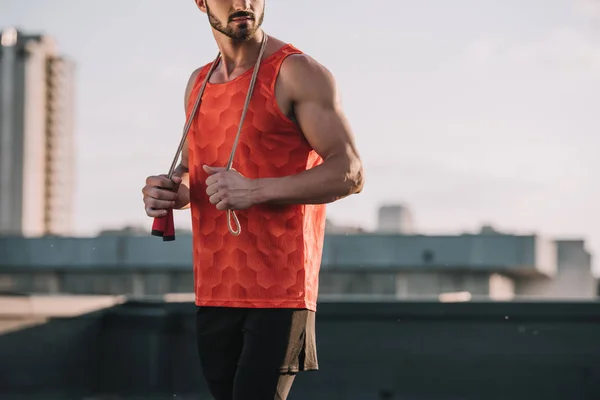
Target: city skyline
[(471, 114)]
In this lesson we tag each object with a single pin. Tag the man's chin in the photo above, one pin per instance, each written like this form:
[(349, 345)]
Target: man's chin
[(243, 35)]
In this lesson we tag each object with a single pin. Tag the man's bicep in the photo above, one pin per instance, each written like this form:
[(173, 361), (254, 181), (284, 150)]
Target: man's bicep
[(320, 115), (325, 127)]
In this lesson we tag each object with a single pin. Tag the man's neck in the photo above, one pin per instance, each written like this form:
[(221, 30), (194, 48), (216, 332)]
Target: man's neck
[(237, 55)]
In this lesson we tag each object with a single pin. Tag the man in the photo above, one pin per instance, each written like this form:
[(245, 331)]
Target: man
[(256, 293)]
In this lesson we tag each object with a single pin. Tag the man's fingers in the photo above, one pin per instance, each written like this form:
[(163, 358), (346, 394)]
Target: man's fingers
[(223, 205), (175, 178), (212, 189), (155, 213), (167, 183), (211, 180), (215, 198), (156, 180), (158, 204), (160, 194), (163, 181), (221, 176)]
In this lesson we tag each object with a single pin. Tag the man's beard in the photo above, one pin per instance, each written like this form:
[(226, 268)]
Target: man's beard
[(240, 34)]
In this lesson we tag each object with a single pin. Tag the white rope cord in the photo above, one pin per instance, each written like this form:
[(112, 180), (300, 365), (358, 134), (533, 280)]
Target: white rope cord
[(230, 213)]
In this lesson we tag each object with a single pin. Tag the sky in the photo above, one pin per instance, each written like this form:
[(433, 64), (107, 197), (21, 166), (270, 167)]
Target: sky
[(470, 112)]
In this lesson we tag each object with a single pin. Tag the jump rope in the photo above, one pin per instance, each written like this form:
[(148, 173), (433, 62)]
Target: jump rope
[(164, 226)]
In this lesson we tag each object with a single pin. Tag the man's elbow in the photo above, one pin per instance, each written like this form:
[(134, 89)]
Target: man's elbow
[(355, 176)]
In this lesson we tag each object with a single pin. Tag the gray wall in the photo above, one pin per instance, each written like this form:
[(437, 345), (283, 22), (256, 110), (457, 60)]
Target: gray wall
[(409, 351), (57, 357)]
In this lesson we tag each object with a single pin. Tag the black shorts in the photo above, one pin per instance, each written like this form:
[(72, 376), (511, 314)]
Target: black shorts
[(254, 344)]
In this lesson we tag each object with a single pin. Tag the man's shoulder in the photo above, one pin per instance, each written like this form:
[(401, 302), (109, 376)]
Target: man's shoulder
[(303, 63), (304, 74), (202, 69)]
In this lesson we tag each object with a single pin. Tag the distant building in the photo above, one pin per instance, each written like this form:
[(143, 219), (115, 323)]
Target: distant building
[(136, 231), (333, 228), (574, 278), (498, 267), (125, 231), (395, 218), (36, 136)]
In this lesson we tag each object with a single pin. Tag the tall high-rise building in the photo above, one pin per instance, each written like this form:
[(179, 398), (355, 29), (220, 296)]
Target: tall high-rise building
[(36, 136)]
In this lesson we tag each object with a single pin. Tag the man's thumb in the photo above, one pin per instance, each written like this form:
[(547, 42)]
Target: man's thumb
[(176, 178), (212, 170)]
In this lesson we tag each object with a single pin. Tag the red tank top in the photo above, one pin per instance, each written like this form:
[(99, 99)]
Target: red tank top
[(275, 261)]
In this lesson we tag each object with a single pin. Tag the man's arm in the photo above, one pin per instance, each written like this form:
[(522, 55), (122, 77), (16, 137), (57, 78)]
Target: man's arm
[(182, 170), (317, 109)]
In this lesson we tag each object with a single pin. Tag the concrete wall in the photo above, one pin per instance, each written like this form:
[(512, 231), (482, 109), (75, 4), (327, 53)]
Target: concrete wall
[(408, 351), (56, 356), (431, 285), (359, 283), (98, 282)]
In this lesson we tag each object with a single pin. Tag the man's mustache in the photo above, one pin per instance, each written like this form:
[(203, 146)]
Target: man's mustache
[(241, 14)]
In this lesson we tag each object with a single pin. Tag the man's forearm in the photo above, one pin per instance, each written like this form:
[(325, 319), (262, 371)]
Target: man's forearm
[(336, 178)]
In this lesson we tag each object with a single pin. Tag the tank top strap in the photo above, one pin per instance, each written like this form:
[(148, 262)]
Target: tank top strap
[(280, 55), (196, 87), (274, 63)]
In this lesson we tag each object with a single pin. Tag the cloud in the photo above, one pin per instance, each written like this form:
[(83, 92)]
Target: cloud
[(482, 52), (564, 48), (588, 9)]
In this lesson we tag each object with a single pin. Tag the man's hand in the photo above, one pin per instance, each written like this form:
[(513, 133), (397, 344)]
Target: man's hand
[(229, 190), (160, 194)]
